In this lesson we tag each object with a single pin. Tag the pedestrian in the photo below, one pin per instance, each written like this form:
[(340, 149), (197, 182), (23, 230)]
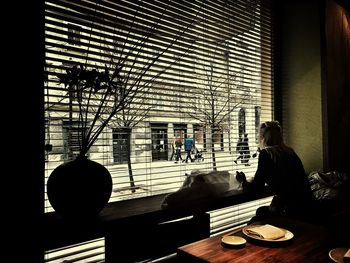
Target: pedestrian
[(178, 145), (173, 149), (238, 149), (189, 145), (159, 149), (245, 150), (242, 148)]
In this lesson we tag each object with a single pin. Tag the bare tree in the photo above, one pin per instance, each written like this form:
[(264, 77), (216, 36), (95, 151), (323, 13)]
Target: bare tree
[(210, 105), (142, 65), (127, 119)]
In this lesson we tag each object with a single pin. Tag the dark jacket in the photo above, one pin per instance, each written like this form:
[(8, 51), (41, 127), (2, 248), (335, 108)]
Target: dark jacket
[(188, 144), (284, 173), (178, 143)]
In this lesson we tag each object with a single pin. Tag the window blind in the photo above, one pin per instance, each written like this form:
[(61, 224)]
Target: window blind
[(206, 69)]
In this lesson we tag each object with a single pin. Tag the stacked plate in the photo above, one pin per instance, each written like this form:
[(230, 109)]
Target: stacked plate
[(267, 233)]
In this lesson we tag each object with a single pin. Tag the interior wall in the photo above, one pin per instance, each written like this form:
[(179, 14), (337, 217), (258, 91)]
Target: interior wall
[(24, 122), (299, 79), (336, 89)]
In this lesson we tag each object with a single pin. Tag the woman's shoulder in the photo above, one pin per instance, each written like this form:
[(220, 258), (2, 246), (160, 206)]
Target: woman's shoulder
[(277, 152), (278, 148), (263, 152)]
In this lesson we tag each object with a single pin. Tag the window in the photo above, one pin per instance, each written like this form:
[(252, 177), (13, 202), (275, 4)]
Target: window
[(70, 140), (205, 65), (199, 137), (159, 133), (121, 145), (73, 34)]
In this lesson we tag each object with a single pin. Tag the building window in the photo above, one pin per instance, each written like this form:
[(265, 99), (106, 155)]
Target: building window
[(71, 146), (159, 142), (121, 145), (199, 136), (73, 34)]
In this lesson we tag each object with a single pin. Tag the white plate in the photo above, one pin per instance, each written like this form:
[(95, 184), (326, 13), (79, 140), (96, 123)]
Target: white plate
[(288, 236), (337, 254), (233, 240)]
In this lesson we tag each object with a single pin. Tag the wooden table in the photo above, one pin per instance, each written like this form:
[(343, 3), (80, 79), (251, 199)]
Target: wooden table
[(311, 243)]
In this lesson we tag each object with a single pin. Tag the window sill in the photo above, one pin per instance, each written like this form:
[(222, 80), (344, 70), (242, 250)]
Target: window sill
[(124, 215)]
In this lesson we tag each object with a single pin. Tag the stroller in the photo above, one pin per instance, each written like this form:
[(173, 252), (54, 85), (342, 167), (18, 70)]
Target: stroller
[(198, 156)]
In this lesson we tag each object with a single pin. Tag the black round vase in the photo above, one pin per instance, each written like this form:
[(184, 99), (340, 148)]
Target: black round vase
[(79, 188)]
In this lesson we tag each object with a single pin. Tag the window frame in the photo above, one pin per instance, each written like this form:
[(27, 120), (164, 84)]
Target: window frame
[(141, 151)]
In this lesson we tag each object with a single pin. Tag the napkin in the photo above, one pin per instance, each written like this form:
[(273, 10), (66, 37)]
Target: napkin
[(267, 232)]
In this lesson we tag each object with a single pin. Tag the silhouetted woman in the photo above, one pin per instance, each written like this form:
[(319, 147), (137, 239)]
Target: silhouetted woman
[(282, 170)]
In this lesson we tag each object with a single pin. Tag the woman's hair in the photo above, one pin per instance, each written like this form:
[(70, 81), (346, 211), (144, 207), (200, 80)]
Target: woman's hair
[(271, 134), (271, 139)]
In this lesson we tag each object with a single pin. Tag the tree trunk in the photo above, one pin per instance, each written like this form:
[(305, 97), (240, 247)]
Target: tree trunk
[(213, 149), (131, 177)]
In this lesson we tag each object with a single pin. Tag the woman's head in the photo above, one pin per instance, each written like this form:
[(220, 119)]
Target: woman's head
[(270, 134)]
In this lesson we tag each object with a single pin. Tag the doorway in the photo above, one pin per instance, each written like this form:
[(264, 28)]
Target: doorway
[(159, 142)]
